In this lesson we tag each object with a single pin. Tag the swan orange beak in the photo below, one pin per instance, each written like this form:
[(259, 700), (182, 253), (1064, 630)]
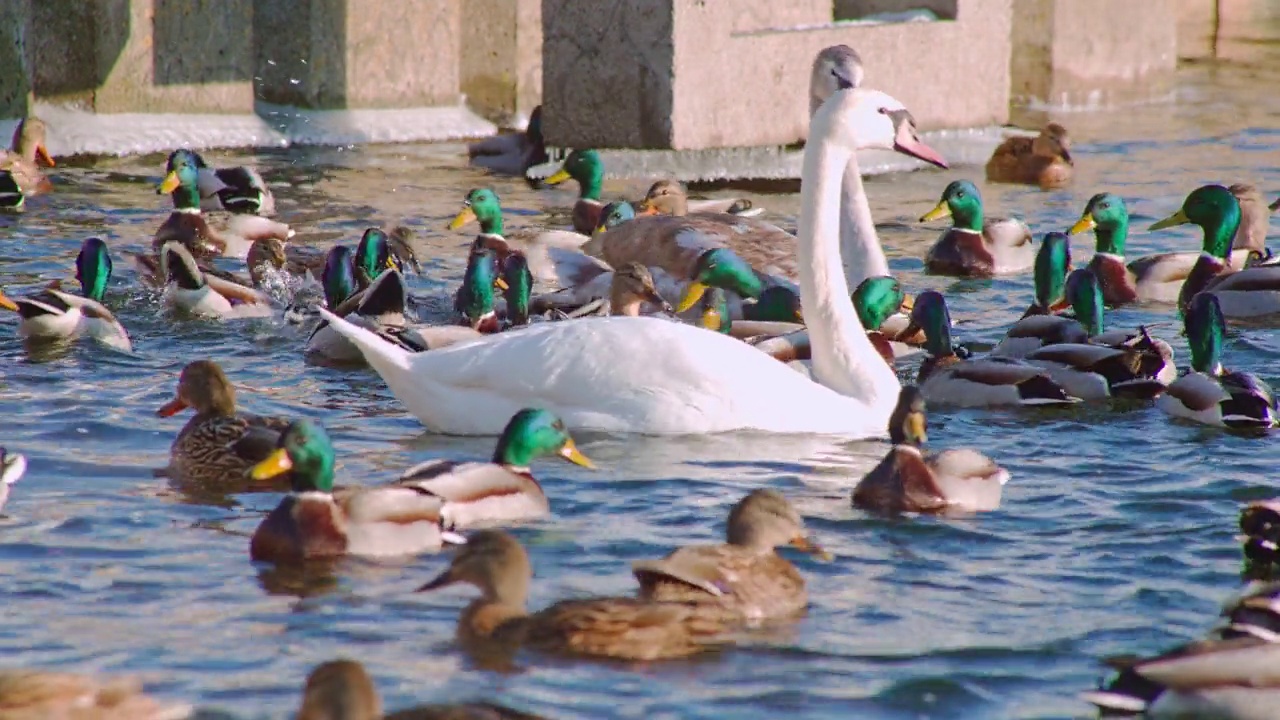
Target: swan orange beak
[(277, 463), (42, 152), (906, 142)]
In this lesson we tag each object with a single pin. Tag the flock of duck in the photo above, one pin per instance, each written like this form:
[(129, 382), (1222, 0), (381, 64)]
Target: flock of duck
[(675, 316)]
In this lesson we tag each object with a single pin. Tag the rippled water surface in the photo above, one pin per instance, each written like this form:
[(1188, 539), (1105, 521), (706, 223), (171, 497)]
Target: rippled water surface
[(1116, 533)]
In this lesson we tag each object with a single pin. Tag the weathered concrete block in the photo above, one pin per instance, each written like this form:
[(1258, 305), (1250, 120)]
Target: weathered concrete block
[(1237, 30), (501, 57), (15, 83), (329, 54), (1078, 52), (690, 74)]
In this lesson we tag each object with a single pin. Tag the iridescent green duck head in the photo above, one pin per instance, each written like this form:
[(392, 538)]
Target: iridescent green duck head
[(1206, 330), (960, 202), (338, 276), (876, 299), (587, 168), (1216, 211), (930, 314), (533, 433), (1053, 260), (908, 424), (1084, 291), (614, 214), (481, 204), (373, 256), (721, 268), (93, 268), (1108, 218), (182, 183), (304, 451)]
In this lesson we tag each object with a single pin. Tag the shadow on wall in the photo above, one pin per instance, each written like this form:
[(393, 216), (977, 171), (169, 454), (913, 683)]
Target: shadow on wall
[(202, 41), (79, 44), (294, 64), (858, 9)]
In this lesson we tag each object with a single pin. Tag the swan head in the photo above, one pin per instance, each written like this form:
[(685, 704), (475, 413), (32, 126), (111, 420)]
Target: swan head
[(863, 119), (1085, 293), (1053, 260), (838, 67), (533, 433), (338, 277), (721, 268), (614, 214), (93, 268), (1107, 216), (1216, 210), (481, 204), (764, 520), (930, 314), (306, 453), (876, 299), (1206, 328), (908, 425), (962, 203), (519, 282)]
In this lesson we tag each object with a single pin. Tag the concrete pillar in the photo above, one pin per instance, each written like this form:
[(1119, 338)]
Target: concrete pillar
[(1235, 30), (501, 57), (1092, 52), (328, 54), (15, 83)]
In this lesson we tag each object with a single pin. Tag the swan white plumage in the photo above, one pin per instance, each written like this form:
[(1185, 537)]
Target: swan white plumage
[(649, 375)]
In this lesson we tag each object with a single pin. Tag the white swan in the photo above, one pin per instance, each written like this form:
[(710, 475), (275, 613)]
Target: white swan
[(649, 375)]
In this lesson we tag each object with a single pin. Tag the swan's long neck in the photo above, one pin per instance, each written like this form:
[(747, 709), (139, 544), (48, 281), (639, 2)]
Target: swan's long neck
[(859, 244), (843, 357)]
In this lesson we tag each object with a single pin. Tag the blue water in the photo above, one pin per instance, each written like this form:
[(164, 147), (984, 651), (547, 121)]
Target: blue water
[(1116, 533)]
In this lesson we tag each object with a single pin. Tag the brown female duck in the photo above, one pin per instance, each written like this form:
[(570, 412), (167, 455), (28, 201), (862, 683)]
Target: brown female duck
[(343, 690), (671, 197), (218, 444), (23, 160), (611, 627), (743, 577), (908, 481), (1044, 160)]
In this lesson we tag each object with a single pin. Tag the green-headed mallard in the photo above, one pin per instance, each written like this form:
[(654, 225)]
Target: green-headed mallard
[(189, 226), (11, 195), (1115, 365), (1251, 292), (947, 379), (26, 152), (37, 694), (52, 314), (12, 467), (744, 576), (219, 444), (189, 289), (879, 301), (907, 480), (474, 299), (671, 197), (1043, 160), (608, 627), (975, 246), (235, 189), (512, 153), (1260, 523), (1154, 278), (379, 307), (1208, 393), (773, 324), (1041, 325), (586, 167), (412, 514), (343, 690)]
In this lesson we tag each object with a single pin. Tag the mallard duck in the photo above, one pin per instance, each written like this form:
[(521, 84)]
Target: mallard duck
[(1041, 325), (11, 196), (219, 444), (474, 299), (671, 197), (974, 246), (189, 226), (343, 690), (1152, 278), (1208, 393), (586, 167), (1097, 365), (41, 695), (512, 153), (379, 308), (12, 467), (613, 627), (235, 189), (51, 314), (947, 379), (907, 480), (1043, 160), (188, 289), (26, 152), (744, 577), (1251, 292), (877, 300), (773, 325), (1260, 522), (503, 488)]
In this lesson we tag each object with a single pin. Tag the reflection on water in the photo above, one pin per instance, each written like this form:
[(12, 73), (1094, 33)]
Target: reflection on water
[(1116, 533)]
